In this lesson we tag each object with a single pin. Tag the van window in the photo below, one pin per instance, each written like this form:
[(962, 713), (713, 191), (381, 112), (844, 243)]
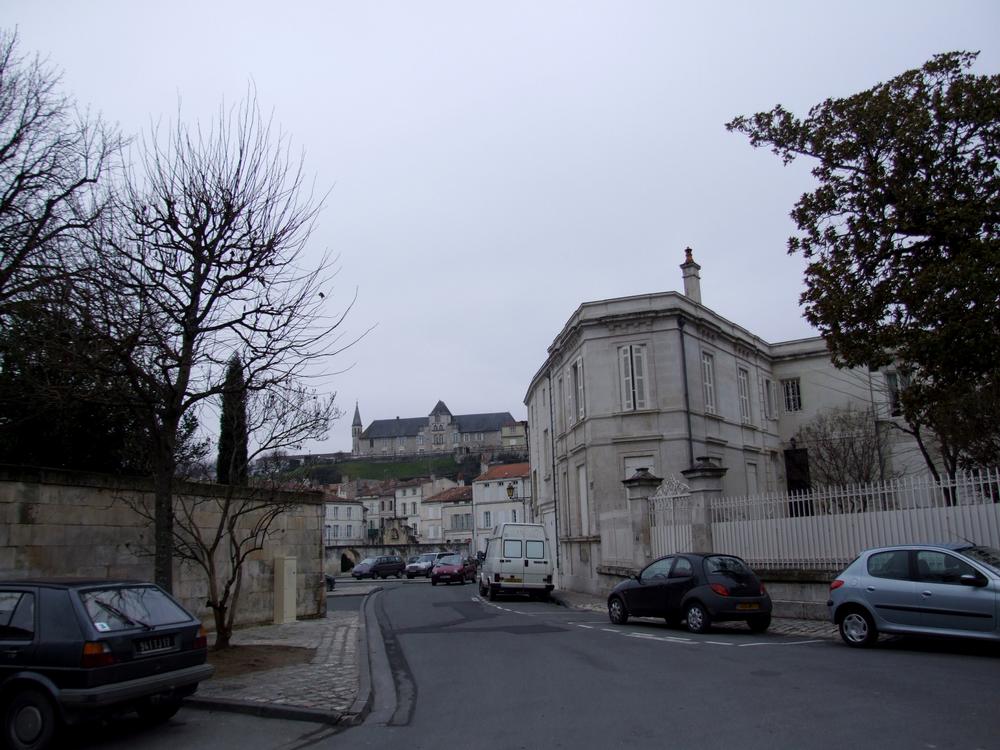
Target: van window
[(534, 550), (512, 548)]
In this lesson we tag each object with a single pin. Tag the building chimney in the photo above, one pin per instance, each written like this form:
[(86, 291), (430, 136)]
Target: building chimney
[(692, 279)]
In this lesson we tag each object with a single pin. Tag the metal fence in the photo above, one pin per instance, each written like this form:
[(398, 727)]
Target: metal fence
[(826, 529)]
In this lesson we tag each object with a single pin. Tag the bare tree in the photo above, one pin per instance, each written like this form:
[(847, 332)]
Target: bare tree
[(51, 160), (206, 261), (243, 517), (844, 448)]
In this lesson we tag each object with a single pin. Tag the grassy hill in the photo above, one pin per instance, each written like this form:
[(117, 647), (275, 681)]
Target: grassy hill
[(439, 466)]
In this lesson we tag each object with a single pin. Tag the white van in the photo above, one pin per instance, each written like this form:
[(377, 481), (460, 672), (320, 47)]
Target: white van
[(517, 560)]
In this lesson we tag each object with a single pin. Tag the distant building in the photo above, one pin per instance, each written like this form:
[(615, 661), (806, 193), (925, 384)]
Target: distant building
[(448, 517), (439, 432)]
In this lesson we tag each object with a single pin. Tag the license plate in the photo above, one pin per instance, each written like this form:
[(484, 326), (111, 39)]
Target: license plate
[(514, 579), (152, 645), (747, 606)]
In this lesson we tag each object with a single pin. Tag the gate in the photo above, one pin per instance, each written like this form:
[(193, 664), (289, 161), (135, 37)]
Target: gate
[(670, 518)]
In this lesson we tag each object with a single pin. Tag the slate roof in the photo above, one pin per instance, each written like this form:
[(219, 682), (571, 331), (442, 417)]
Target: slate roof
[(440, 408), (411, 426)]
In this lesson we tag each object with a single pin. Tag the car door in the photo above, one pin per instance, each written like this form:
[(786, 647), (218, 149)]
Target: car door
[(18, 626), (888, 587), (682, 578), (943, 602), (648, 597), (512, 561)]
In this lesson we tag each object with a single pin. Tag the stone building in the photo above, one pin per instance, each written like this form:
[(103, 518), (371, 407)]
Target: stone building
[(439, 432), (656, 381), (501, 494)]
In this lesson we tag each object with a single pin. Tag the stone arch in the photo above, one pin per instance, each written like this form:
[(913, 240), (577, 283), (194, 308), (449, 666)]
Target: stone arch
[(348, 559)]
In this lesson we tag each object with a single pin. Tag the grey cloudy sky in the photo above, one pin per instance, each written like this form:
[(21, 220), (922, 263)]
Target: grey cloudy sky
[(495, 165)]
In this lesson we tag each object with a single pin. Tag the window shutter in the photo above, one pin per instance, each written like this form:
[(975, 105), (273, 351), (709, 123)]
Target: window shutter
[(625, 365), (639, 365)]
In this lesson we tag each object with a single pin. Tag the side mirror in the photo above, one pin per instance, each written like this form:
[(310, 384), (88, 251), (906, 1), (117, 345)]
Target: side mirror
[(480, 556), (973, 580), (633, 576)]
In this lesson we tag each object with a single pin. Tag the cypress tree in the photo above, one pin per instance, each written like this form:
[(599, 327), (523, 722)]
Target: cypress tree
[(232, 462)]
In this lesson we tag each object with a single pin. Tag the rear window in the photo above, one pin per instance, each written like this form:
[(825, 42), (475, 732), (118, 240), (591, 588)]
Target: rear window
[(512, 548), (894, 564), (724, 565), (132, 607), (534, 550)]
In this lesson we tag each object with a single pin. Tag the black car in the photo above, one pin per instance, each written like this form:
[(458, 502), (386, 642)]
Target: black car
[(79, 649), (379, 567), (698, 588)]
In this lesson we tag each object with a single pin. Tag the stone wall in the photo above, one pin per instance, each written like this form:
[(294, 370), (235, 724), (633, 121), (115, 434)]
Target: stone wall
[(56, 523)]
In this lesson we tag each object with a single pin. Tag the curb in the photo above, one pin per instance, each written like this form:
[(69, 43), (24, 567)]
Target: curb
[(265, 710), (362, 705)]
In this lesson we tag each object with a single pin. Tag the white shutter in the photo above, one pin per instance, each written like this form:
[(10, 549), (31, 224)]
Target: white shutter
[(625, 366), (639, 366)]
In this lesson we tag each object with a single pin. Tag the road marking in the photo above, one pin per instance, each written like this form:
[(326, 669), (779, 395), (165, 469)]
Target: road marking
[(588, 627), (782, 643), (610, 630), (662, 638), (719, 643)]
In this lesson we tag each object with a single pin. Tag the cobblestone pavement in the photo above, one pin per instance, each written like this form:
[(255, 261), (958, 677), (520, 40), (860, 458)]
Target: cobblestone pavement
[(779, 625), (326, 687)]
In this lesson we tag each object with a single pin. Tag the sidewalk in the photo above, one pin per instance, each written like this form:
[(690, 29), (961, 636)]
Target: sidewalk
[(779, 625), (328, 689)]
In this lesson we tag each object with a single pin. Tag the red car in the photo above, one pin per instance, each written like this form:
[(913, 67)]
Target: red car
[(453, 569)]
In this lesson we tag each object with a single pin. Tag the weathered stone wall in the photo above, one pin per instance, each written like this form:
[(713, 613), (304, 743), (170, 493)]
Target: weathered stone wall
[(55, 523)]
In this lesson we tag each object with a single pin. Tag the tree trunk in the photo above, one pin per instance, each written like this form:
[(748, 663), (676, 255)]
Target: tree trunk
[(163, 561), (223, 630)]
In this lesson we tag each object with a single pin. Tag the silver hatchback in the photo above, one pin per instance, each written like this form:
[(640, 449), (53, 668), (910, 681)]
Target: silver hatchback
[(918, 589)]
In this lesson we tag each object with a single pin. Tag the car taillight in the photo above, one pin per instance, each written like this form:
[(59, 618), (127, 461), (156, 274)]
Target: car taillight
[(836, 584), (496, 578), (201, 640), (719, 589), (97, 654), (762, 590)]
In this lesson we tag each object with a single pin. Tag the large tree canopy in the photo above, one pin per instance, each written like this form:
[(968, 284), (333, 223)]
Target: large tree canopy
[(901, 231)]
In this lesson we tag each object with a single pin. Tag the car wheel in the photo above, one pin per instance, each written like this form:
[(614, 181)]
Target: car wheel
[(759, 623), (157, 713), (434, 582), (857, 629), (494, 591), (29, 722), (698, 619), (617, 611)]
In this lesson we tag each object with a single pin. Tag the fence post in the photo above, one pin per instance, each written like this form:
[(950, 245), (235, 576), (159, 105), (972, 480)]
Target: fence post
[(705, 481), (638, 488)]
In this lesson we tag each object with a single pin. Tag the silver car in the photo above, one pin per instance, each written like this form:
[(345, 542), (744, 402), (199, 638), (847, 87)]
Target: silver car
[(918, 589)]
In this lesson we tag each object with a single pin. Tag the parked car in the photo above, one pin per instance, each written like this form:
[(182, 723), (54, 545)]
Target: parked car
[(81, 649), (923, 589), (422, 565), (698, 588), (379, 567), (452, 569)]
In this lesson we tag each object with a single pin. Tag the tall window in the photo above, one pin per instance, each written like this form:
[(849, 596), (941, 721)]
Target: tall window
[(486, 519), (743, 382), (632, 372), (560, 423), (708, 381), (895, 383), (578, 411), (350, 530), (793, 394), (513, 516), (767, 398)]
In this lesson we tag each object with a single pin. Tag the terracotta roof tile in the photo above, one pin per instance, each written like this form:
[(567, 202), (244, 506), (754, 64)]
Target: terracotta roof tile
[(505, 471)]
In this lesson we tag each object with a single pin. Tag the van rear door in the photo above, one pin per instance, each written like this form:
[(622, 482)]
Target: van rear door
[(512, 562), (536, 562)]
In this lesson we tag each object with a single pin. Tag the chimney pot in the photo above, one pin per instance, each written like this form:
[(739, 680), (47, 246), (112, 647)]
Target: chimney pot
[(692, 279)]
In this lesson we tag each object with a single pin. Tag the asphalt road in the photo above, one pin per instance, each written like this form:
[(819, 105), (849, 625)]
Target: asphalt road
[(467, 673)]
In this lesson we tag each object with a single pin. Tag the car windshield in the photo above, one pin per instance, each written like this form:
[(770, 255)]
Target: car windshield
[(131, 607), (450, 560), (988, 556), (722, 565), (429, 557), (367, 561)]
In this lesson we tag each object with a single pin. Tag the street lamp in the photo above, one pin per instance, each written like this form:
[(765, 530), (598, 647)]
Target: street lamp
[(510, 496)]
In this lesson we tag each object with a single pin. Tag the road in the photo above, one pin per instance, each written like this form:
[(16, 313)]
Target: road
[(520, 674)]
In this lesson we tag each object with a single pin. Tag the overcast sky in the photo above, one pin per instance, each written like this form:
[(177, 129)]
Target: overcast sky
[(495, 165)]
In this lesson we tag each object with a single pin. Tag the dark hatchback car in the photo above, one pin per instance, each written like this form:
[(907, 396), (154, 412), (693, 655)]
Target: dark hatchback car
[(453, 569), (72, 650), (698, 588), (379, 567)]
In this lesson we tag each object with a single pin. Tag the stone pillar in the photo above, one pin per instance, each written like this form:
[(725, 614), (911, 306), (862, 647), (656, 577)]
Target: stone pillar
[(638, 488), (705, 481), (285, 574)]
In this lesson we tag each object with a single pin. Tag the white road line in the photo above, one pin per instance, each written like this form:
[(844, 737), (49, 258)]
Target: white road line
[(661, 638), (588, 627), (782, 643), (610, 630)]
